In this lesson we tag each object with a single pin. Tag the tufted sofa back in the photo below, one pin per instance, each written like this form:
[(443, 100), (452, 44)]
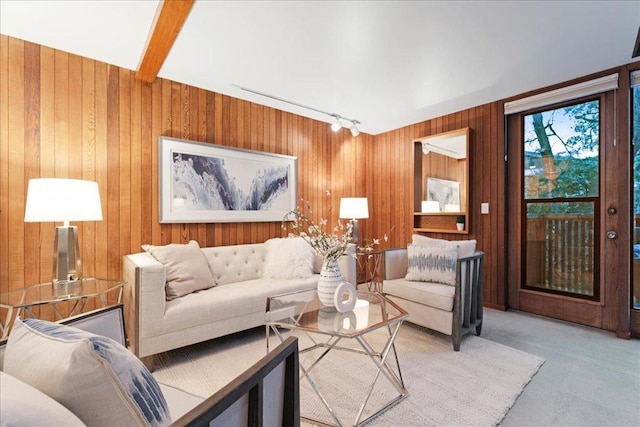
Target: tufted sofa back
[(236, 263)]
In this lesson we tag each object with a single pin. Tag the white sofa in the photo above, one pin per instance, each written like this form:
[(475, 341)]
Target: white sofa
[(453, 309), (236, 303)]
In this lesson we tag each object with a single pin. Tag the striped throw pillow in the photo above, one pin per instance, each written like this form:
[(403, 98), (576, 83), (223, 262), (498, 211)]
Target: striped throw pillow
[(432, 264)]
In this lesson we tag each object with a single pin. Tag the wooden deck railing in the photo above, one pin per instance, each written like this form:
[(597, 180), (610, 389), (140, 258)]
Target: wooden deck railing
[(560, 253)]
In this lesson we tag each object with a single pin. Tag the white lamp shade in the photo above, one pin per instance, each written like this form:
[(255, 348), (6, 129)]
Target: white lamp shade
[(57, 199), (354, 207)]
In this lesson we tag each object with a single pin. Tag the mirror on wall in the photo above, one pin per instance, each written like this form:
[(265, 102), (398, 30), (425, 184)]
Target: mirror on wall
[(441, 182)]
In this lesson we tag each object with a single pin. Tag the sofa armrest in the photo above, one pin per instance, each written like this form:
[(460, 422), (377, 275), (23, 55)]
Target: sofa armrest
[(395, 263), (144, 298)]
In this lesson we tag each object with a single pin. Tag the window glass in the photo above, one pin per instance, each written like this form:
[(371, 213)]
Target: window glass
[(561, 152)]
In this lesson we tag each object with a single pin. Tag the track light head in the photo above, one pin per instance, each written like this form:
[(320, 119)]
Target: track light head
[(335, 126), (354, 130)]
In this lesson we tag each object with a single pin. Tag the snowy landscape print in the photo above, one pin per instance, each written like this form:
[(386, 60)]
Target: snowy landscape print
[(203, 182), (230, 184)]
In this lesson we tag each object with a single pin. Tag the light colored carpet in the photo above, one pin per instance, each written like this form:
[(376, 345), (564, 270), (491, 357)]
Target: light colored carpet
[(473, 387)]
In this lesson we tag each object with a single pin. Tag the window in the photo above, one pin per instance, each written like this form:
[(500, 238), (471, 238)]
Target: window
[(561, 198)]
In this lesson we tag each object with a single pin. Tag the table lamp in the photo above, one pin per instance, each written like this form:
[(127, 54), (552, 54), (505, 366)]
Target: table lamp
[(354, 208), (63, 200)]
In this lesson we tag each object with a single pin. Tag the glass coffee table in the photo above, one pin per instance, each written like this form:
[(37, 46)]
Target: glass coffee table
[(326, 330)]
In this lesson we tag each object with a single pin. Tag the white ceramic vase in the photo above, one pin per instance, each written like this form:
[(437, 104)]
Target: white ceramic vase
[(330, 279)]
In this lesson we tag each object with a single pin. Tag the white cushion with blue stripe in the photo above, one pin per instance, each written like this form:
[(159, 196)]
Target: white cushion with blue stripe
[(94, 377), (432, 264)]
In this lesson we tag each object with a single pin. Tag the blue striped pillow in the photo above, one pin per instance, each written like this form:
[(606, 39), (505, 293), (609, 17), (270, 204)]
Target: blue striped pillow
[(432, 264), (95, 377)]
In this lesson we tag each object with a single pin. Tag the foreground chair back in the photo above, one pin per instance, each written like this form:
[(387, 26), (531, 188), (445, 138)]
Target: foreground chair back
[(267, 394)]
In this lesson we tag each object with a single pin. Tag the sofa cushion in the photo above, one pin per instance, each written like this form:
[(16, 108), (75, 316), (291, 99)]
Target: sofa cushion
[(430, 294), (236, 263), (288, 258), (431, 264), (94, 377), (228, 301), (186, 268), (466, 248), (23, 405)]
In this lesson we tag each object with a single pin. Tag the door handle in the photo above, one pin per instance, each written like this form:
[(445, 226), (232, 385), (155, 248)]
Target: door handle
[(612, 234)]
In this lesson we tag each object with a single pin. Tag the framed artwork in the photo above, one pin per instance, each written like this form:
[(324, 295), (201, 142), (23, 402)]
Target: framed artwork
[(446, 193), (202, 182)]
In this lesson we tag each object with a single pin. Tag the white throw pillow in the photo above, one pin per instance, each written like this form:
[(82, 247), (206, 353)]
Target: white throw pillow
[(186, 266), (94, 377), (466, 248), (432, 264), (23, 405), (288, 258)]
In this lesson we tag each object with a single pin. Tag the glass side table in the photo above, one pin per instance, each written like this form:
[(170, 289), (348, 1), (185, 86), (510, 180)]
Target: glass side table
[(370, 265), (64, 302), (328, 330)]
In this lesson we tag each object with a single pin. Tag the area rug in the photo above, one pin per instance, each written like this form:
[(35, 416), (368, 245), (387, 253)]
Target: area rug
[(473, 387)]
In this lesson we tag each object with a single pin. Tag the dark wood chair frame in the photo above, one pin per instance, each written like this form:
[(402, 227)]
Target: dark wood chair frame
[(467, 313), (251, 382)]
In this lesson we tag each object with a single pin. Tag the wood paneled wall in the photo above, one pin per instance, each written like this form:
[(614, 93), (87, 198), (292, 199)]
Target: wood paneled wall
[(62, 115), (66, 116), (389, 177)]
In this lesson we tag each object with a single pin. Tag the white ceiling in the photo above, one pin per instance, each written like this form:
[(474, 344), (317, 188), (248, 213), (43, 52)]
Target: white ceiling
[(386, 64)]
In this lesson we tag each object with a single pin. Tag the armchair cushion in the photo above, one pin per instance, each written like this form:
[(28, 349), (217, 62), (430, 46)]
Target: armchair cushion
[(85, 373), (186, 266), (432, 264)]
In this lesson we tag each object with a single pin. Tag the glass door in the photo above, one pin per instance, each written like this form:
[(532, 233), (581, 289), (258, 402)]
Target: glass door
[(562, 202)]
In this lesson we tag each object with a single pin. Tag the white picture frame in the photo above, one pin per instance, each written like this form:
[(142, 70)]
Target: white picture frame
[(204, 183)]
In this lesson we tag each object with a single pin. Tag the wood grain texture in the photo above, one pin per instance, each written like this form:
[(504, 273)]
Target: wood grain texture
[(67, 116), (168, 21)]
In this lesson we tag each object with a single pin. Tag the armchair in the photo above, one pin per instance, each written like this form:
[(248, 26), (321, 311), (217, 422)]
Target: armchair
[(452, 310)]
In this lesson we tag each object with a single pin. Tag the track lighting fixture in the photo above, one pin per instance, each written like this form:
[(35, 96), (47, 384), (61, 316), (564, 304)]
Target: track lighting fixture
[(335, 125)]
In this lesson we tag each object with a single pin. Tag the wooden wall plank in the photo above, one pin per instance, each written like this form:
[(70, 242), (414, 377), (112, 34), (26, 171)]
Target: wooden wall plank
[(31, 151), (101, 87), (125, 147), (4, 159), (15, 160), (135, 168), (88, 144)]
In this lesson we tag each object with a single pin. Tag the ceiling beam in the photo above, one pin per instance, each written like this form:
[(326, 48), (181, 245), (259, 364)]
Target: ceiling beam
[(167, 23)]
